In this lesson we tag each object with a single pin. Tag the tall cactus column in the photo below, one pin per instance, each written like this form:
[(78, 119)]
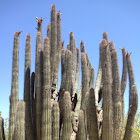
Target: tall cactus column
[(46, 112), (107, 91), (14, 85), (58, 55), (53, 40), (27, 99), (38, 86)]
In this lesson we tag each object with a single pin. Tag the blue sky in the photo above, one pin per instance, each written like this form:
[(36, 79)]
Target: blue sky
[(85, 18)]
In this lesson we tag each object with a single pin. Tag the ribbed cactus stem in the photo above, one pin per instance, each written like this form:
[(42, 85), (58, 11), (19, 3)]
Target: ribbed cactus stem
[(92, 123), (68, 57), (116, 96), (91, 78), (49, 32), (19, 131), (63, 69), (123, 81), (38, 85), (81, 133), (46, 111), (82, 46), (73, 50), (131, 113), (131, 77), (105, 36), (124, 73), (58, 55), (14, 86), (84, 79), (2, 135), (53, 40), (77, 72), (74, 121), (27, 100), (68, 46), (55, 122), (67, 126), (107, 133)]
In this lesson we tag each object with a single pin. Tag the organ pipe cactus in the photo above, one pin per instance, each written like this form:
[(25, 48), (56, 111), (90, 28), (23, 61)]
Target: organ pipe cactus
[(70, 113)]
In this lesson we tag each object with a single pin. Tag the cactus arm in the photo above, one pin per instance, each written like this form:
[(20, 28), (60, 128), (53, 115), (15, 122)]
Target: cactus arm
[(58, 56), (91, 85), (131, 114), (77, 72), (84, 79), (38, 85), (116, 95), (55, 122), (92, 123), (14, 85), (27, 99), (53, 47), (46, 111), (81, 133), (107, 91), (82, 46), (68, 57), (67, 126)]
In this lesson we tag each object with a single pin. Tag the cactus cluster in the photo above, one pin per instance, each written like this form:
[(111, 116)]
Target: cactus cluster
[(49, 113)]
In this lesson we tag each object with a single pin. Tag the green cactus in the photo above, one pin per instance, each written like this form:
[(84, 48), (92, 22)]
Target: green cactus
[(67, 126), (19, 131), (92, 123), (14, 85), (107, 91), (53, 48), (27, 99), (2, 135), (84, 79), (46, 105), (116, 97), (58, 55), (38, 85), (81, 133), (55, 122)]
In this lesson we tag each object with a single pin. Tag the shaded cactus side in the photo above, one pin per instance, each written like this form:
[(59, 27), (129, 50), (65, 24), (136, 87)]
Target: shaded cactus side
[(27, 99)]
